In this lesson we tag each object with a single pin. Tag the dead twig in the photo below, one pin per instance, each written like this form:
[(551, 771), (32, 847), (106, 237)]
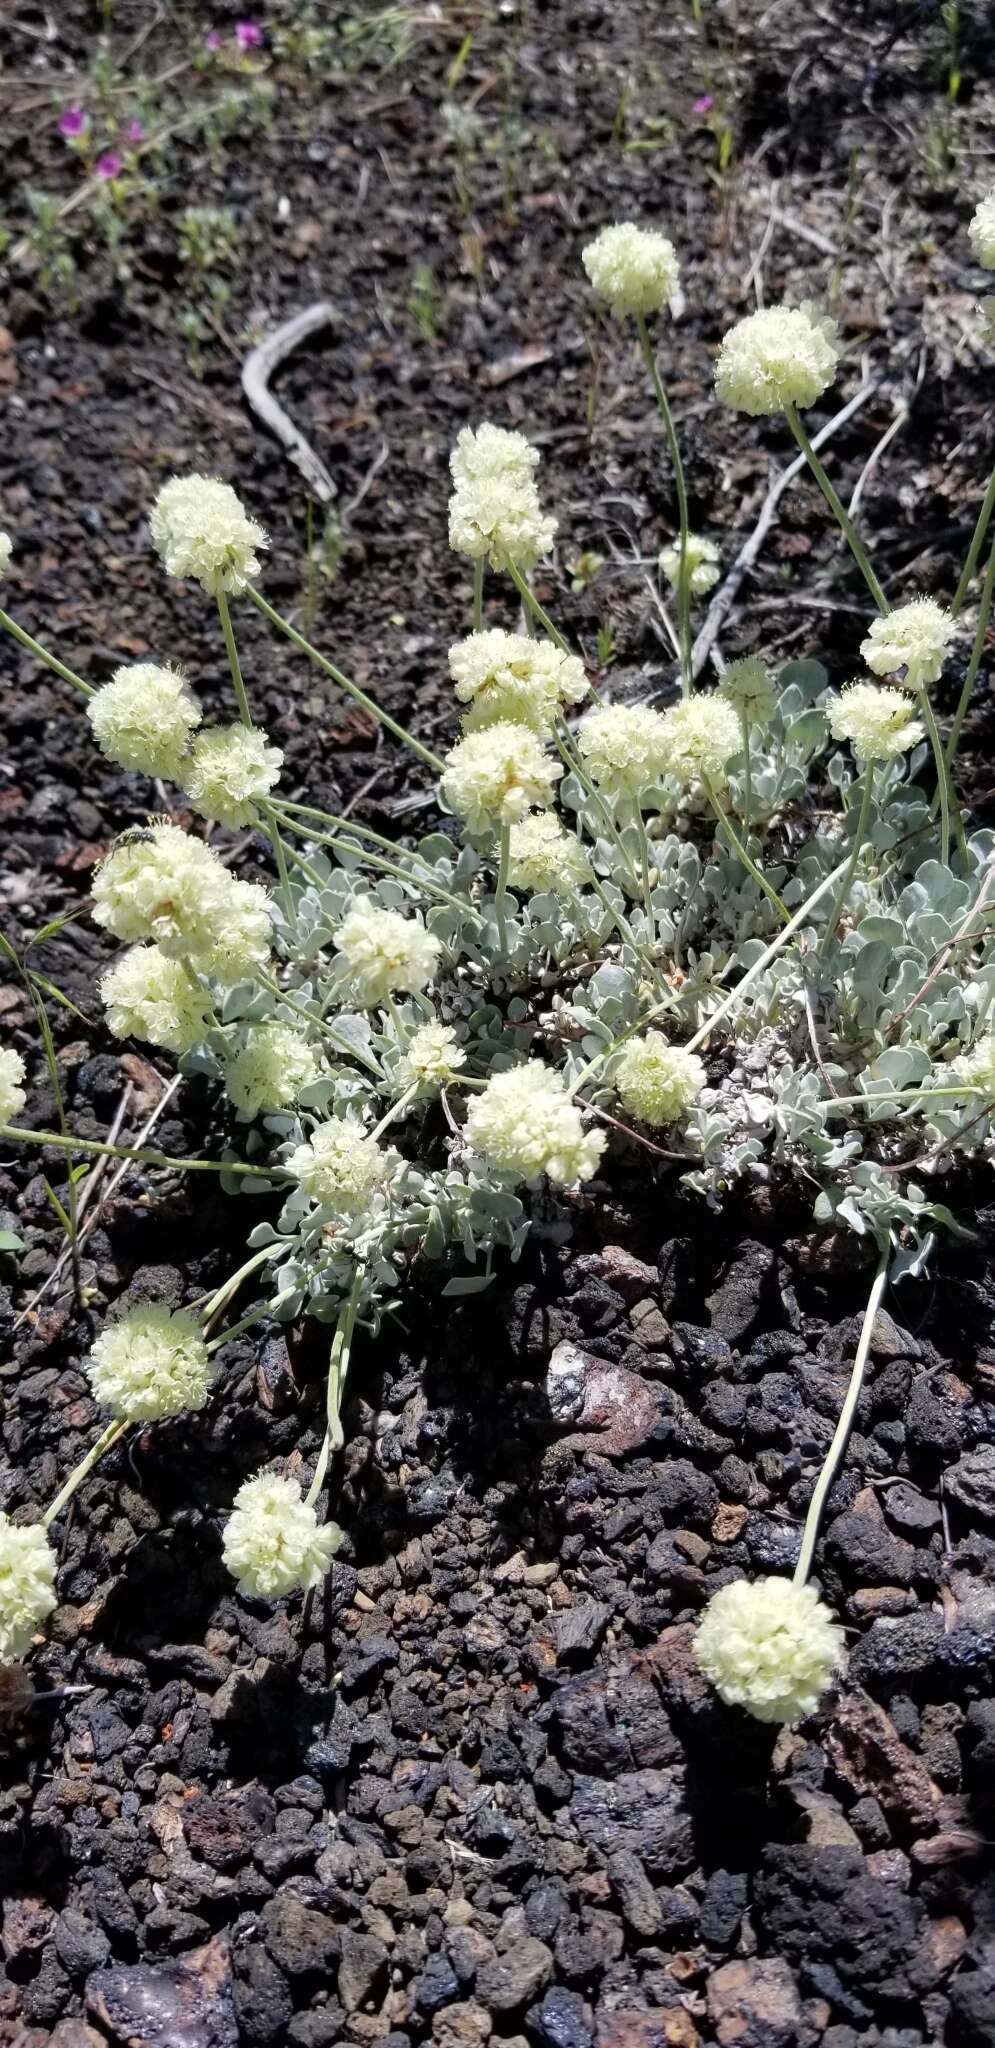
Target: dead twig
[(259, 367)]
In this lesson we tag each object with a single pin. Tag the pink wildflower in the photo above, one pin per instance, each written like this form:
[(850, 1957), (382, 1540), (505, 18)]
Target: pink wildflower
[(72, 121), (212, 40), (135, 131), (248, 35), (108, 165), (704, 105)]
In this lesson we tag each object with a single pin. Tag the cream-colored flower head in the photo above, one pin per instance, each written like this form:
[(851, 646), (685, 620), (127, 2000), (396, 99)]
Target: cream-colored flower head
[(384, 954), (431, 1057), (229, 768), (544, 857), (915, 636), (242, 946), (143, 718), (508, 678), (981, 231), (624, 747), (494, 512), (149, 1364), (6, 551), (273, 1543), (163, 885), (657, 1082), (701, 564), (747, 686), (27, 1585), (635, 270), (270, 1070), (493, 778), (526, 1125), (340, 1166), (880, 724), (703, 733), (769, 1646), (12, 1095), (783, 355), (201, 529), (146, 995), (976, 1069)]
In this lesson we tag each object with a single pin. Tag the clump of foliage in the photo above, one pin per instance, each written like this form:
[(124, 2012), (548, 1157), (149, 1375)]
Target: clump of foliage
[(634, 919)]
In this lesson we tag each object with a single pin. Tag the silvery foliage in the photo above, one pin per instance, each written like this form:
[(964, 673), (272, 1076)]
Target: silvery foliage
[(896, 992)]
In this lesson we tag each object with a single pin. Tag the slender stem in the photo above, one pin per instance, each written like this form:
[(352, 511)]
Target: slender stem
[(842, 1431), (533, 607), (272, 830), (396, 1109), (108, 1436), (845, 885), (977, 543), (683, 579), (245, 1323), (233, 660), (942, 774), (735, 995), (139, 1153), (225, 1294), (42, 654), (572, 760), (838, 509), (626, 933), (478, 594), (744, 719), (338, 1367), (644, 862), (325, 1031), (984, 614), (501, 891), (387, 867), (869, 1101), (400, 1028), (352, 689), (726, 825)]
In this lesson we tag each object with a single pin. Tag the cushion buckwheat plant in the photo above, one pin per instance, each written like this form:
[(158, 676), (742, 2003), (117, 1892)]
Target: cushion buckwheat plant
[(698, 876)]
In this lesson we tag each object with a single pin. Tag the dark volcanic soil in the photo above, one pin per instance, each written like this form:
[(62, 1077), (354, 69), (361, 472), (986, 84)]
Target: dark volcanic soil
[(477, 1792)]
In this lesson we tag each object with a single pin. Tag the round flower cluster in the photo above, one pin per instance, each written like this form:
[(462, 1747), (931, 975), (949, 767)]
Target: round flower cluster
[(701, 558), (657, 1082), (746, 685), (703, 732), (494, 511), (976, 1068), (783, 355), (6, 551), (384, 954), (431, 1057), (143, 718), (27, 1584), (624, 747), (508, 678), (915, 637), (200, 528), (880, 724), (770, 1647), (981, 231), (270, 1069), (492, 778), (340, 1166), (543, 856), (166, 886), (148, 996), (272, 1542), (229, 768), (634, 269), (12, 1095), (149, 1364), (526, 1125)]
